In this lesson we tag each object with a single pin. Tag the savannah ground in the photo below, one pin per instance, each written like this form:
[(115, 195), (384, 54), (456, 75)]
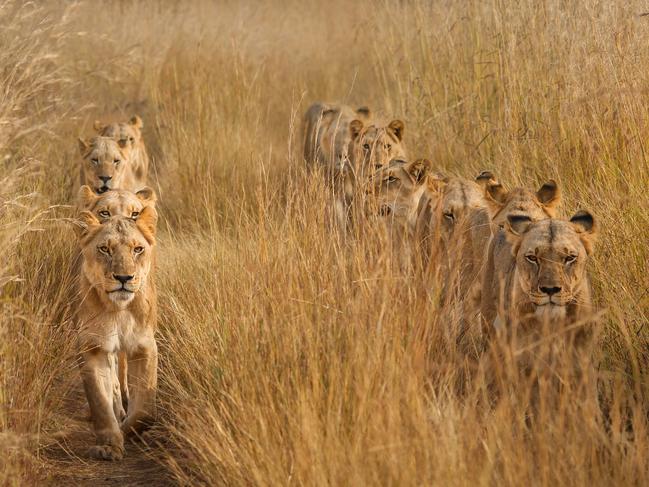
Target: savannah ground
[(290, 356)]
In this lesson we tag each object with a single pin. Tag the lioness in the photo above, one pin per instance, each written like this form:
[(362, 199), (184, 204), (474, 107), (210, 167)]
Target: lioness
[(548, 282), (130, 135), (518, 202), (116, 202), (106, 165), (373, 146), (394, 190), (452, 234), (117, 313), (392, 195)]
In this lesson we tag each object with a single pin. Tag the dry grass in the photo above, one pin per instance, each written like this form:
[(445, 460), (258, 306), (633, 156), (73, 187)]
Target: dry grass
[(289, 356)]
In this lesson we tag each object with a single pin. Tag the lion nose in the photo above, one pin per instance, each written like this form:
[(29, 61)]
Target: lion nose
[(550, 290), (105, 179), (122, 279)]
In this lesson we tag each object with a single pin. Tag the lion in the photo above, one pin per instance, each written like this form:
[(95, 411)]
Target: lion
[(374, 145), (452, 233), (394, 190), (130, 134), (548, 281), (107, 165), (518, 202), (392, 196), (116, 202), (326, 144), (117, 313)]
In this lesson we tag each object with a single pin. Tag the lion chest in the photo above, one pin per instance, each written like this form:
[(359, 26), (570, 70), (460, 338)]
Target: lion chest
[(114, 331)]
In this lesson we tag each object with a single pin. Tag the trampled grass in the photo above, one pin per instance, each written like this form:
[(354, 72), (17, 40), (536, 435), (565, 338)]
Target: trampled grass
[(290, 355)]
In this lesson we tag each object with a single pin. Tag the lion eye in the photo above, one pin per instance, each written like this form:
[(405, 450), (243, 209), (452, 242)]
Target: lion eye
[(449, 216), (532, 258), (135, 214), (138, 250), (391, 179), (104, 214), (388, 146), (104, 250), (116, 162), (95, 161), (131, 139), (366, 146), (570, 259)]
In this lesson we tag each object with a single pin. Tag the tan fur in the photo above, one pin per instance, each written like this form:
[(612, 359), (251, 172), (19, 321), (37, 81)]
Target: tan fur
[(504, 204), (115, 317), (130, 135), (547, 283), (116, 202), (104, 157)]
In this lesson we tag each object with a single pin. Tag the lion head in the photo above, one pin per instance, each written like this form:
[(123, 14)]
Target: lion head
[(105, 163), (393, 191), (454, 203), (521, 202), (127, 133), (116, 202), (117, 255), (550, 263), (374, 146)]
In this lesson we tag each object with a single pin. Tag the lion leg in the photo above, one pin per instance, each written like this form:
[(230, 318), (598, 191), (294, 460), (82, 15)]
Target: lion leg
[(142, 379), (118, 408), (98, 381), (122, 371)]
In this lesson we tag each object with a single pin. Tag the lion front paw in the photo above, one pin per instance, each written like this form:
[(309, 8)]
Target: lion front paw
[(107, 452)]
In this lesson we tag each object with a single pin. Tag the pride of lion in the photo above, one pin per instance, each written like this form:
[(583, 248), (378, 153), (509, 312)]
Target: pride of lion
[(501, 256)]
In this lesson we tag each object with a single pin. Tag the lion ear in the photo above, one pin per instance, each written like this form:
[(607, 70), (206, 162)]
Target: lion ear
[(586, 225), (485, 177), (436, 181), (515, 228), (85, 223), (496, 196), (146, 195), (98, 126), (136, 121), (87, 197), (147, 222), (364, 112), (549, 194), (355, 128), (397, 127), (84, 147), (419, 169)]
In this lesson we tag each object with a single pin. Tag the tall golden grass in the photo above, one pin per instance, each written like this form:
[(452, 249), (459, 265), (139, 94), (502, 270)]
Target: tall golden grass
[(289, 355)]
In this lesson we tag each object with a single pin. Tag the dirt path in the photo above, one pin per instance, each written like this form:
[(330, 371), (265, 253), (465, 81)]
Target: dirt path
[(68, 463)]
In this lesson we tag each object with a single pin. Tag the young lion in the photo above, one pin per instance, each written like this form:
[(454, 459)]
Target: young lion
[(116, 202), (548, 282), (129, 134), (117, 313), (503, 204), (107, 165)]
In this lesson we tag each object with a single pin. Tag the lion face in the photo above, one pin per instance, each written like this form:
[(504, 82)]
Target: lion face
[(457, 200), (116, 202), (521, 202), (128, 134), (117, 254), (104, 163), (393, 191), (373, 147), (550, 260)]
